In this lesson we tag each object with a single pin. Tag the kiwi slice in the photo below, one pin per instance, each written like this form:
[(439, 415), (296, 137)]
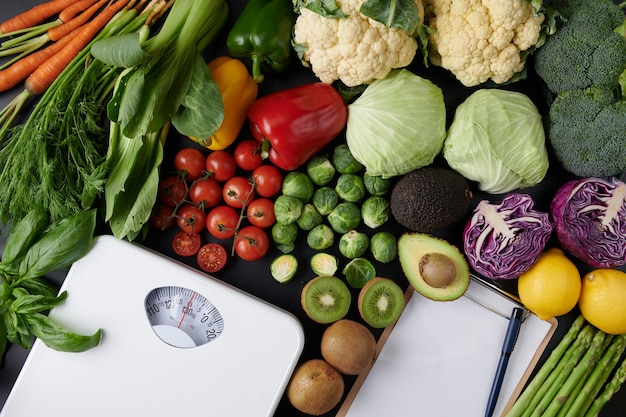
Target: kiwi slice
[(326, 299), (381, 302)]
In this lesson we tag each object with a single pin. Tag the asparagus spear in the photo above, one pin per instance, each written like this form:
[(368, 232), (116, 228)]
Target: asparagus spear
[(598, 377), (523, 401), (611, 388), (563, 369), (580, 372)]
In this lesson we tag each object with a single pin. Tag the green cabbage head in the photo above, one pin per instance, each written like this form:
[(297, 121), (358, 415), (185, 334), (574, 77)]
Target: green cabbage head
[(397, 125), (497, 139)]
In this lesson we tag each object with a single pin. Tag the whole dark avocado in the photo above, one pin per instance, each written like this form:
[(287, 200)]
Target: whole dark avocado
[(429, 199)]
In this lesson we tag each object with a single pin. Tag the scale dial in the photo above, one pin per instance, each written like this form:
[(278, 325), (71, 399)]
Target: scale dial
[(182, 317)]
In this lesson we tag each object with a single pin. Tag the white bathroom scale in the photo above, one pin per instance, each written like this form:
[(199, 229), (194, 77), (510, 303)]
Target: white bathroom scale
[(176, 342)]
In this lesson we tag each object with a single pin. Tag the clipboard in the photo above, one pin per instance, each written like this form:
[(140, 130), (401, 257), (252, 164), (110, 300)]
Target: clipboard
[(440, 358)]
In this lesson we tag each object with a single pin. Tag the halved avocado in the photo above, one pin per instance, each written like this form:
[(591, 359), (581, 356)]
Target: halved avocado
[(433, 266)]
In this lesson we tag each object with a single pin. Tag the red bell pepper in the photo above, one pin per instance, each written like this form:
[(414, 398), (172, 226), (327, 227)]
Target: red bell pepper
[(298, 122)]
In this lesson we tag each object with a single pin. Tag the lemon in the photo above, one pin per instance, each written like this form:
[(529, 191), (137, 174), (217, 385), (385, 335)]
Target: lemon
[(603, 300), (551, 287)]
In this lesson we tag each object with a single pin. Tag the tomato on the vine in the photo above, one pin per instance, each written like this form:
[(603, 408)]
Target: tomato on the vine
[(206, 192), (248, 154), (191, 218), (186, 244), (191, 162), (212, 257), (220, 165), (237, 191), (162, 217), (222, 221), (268, 180), (172, 190), (251, 243), (260, 212)]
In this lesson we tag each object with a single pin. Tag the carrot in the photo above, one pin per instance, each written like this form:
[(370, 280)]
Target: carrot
[(18, 71), (46, 73), (73, 10), (57, 32), (34, 15)]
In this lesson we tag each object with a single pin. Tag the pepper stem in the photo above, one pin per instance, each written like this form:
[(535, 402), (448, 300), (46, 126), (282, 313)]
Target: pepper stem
[(256, 68)]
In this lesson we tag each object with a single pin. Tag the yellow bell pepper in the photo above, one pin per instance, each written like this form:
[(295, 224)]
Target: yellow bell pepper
[(239, 91)]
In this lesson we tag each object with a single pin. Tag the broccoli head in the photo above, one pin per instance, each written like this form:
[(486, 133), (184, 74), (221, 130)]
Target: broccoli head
[(586, 50), (587, 131)]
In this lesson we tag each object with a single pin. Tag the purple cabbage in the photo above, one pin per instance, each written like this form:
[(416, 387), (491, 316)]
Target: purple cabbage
[(503, 240), (589, 217)]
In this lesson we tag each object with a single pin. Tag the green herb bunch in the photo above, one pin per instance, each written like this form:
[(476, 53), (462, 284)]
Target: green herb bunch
[(35, 247)]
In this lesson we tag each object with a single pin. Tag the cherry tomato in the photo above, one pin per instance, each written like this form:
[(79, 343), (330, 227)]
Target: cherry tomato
[(221, 165), (191, 162), (268, 180), (260, 212), (206, 192), (162, 217), (222, 221), (186, 244), (236, 191), (212, 257), (252, 243), (248, 154), (191, 218), (172, 191)]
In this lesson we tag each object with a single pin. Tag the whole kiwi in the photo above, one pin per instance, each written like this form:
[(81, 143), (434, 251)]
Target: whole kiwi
[(315, 388), (349, 346)]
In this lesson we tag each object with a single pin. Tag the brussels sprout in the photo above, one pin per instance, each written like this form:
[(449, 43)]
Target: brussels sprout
[(284, 234), (353, 244), (320, 170), (345, 217), (376, 185), (325, 200), (298, 184), (384, 247), (358, 271), (344, 161), (287, 209), (350, 187), (309, 218), (320, 237), (375, 211), (323, 263), (284, 267)]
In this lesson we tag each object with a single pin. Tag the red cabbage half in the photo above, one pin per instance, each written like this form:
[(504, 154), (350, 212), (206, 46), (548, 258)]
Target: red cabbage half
[(504, 239), (589, 216)]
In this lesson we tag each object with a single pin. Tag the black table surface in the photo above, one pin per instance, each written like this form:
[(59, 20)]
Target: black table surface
[(254, 277)]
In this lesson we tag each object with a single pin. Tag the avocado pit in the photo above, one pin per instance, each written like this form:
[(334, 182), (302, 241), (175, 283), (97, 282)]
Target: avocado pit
[(437, 270)]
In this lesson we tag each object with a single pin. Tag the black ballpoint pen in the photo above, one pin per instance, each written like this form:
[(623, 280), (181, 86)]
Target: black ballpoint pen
[(515, 322)]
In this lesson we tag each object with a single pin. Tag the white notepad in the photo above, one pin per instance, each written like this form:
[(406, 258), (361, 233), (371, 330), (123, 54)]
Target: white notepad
[(440, 358)]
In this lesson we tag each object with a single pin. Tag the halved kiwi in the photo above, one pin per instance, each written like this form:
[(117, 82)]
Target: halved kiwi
[(326, 299), (381, 302)]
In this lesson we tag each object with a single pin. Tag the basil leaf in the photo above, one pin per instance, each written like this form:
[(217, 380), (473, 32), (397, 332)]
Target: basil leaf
[(28, 304), (202, 110), (39, 285), (23, 234), (18, 331), (58, 338), (62, 243), (395, 14)]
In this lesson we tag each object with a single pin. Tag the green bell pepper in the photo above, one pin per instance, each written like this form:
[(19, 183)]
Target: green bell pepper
[(261, 36)]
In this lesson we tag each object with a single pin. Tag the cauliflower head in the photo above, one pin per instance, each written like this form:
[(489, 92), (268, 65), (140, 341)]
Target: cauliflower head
[(481, 40), (355, 49)]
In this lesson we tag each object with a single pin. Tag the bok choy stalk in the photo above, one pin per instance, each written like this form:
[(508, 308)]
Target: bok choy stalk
[(165, 80)]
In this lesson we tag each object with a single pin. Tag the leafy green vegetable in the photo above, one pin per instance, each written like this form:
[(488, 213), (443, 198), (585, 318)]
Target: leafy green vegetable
[(169, 80), (497, 139), (396, 14), (358, 271), (397, 125), (326, 8)]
